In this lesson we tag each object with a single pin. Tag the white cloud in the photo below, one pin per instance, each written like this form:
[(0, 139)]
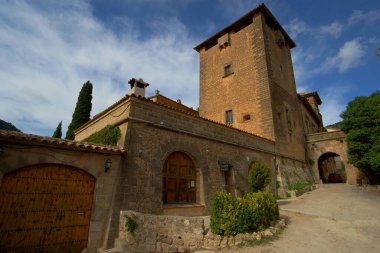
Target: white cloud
[(349, 56), (334, 29), (296, 27), (369, 17), (334, 102), (46, 56)]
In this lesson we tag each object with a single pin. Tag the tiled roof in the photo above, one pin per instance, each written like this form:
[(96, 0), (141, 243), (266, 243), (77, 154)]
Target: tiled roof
[(17, 137)]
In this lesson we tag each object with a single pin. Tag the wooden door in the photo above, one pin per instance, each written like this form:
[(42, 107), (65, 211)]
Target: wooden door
[(45, 208), (179, 179)]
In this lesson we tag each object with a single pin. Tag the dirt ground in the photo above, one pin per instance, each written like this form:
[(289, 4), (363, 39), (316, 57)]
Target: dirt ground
[(334, 218)]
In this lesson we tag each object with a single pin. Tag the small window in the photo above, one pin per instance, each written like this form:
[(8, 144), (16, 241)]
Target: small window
[(229, 117), (228, 70), (246, 117)]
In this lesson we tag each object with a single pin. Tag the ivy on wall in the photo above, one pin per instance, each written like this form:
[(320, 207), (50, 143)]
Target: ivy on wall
[(109, 135)]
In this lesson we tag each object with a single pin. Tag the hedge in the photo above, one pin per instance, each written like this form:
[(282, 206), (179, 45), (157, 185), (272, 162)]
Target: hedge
[(253, 212)]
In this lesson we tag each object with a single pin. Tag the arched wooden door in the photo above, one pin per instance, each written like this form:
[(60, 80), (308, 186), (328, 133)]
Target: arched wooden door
[(179, 179), (45, 208)]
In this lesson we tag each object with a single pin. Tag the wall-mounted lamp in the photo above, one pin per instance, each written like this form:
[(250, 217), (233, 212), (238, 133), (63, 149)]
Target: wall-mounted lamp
[(140, 153), (107, 165), (224, 166)]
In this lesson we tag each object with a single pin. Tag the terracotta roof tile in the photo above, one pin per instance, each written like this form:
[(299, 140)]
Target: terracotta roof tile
[(11, 136)]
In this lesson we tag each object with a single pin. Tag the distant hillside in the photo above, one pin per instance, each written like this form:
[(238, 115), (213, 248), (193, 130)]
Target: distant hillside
[(335, 125), (8, 126)]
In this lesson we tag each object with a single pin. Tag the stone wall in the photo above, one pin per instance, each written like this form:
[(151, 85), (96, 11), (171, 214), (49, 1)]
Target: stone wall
[(335, 143), (163, 233), (35, 150), (155, 132), (245, 91), (114, 115)]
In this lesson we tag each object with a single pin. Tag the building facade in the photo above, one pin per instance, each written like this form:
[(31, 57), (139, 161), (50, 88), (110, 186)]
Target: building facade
[(172, 159)]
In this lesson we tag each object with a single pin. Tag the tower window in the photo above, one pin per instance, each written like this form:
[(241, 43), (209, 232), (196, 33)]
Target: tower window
[(229, 117), (228, 70)]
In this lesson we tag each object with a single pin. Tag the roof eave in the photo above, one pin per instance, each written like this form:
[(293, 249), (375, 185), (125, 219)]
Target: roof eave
[(261, 8)]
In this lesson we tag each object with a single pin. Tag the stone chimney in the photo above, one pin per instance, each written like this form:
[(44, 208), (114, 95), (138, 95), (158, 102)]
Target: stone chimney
[(138, 87)]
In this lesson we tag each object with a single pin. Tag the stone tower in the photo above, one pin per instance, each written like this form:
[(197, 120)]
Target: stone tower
[(247, 81)]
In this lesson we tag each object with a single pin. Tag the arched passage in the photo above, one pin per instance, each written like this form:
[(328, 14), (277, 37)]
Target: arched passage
[(178, 179), (45, 208), (331, 168)]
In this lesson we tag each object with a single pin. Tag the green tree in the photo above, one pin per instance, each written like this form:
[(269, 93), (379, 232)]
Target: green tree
[(58, 131), (82, 110), (259, 177), (361, 123)]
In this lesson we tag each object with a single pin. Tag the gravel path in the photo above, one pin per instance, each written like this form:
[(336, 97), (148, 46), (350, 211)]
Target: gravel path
[(334, 218)]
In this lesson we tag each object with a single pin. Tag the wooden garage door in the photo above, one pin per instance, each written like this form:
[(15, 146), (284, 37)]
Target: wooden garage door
[(45, 208), (178, 181)]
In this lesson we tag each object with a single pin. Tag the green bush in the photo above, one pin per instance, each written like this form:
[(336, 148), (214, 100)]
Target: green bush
[(259, 177), (223, 215), (107, 136), (232, 215)]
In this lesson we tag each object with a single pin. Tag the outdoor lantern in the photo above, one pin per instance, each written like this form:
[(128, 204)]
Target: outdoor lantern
[(224, 166), (107, 165)]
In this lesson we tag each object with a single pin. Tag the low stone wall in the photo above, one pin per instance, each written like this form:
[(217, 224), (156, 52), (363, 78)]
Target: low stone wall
[(164, 233), (297, 193)]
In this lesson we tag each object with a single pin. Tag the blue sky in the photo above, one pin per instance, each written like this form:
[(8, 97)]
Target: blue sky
[(48, 49)]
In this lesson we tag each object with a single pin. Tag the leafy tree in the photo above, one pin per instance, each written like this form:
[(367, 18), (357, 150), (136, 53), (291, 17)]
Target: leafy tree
[(8, 126), (361, 123), (82, 110), (58, 131), (259, 177)]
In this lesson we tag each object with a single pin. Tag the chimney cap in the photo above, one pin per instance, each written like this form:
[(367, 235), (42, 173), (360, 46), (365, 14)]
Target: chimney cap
[(138, 82)]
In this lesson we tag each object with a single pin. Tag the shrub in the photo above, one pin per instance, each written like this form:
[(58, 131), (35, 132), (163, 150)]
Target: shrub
[(130, 224), (107, 136), (224, 208), (264, 209), (232, 215), (259, 177)]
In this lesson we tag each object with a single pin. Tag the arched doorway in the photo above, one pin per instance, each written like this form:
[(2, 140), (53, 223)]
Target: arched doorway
[(45, 208), (331, 168), (178, 179)]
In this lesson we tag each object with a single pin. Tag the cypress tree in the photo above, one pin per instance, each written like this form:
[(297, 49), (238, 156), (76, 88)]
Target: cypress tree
[(82, 110), (58, 131)]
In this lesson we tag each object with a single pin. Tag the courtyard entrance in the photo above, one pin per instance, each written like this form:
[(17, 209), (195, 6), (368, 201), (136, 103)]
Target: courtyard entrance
[(45, 208), (331, 168)]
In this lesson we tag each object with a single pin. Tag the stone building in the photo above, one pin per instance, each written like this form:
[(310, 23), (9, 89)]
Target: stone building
[(172, 159)]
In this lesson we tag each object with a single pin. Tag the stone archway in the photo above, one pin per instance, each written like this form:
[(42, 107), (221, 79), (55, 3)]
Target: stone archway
[(327, 145), (45, 208), (329, 163)]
